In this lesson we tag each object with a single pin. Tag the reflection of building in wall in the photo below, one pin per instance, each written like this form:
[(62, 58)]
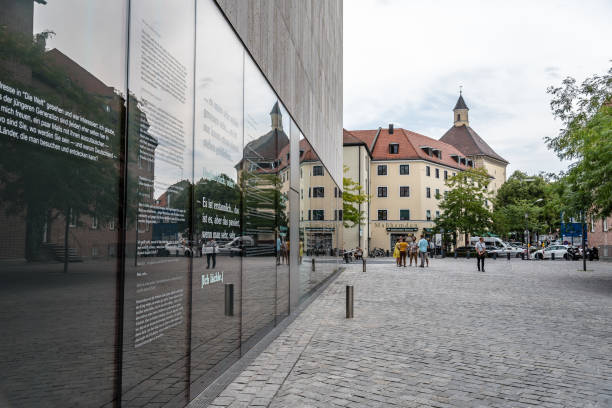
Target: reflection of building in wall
[(91, 230), (405, 180), (320, 214), (465, 139)]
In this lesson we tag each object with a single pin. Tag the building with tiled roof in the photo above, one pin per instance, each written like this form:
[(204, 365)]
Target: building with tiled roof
[(404, 173), (465, 139)]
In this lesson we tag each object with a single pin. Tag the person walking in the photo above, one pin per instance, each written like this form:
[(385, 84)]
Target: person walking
[(414, 251), (481, 251), (396, 252), (211, 252), (403, 246), (423, 245)]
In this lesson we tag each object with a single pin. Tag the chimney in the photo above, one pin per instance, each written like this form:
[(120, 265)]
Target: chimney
[(390, 128)]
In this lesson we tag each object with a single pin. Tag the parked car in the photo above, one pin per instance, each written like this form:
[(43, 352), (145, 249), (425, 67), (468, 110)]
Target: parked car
[(176, 249), (463, 251), (560, 251), (504, 249)]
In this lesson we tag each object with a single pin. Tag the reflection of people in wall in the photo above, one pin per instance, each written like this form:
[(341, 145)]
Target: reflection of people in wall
[(301, 251), (286, 252), (211, 252), (278, 250)]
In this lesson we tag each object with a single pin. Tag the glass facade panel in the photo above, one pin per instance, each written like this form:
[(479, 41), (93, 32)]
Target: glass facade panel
[(218, 141), (264, 137), (159, 182), (62, 101)]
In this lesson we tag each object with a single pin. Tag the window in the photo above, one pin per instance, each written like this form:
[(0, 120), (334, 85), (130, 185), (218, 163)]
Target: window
[(382, 169), (428, 192), (337, 215), (445, 175), (393, 148), (300, 173), (437, 173), (382, 191), (301, 192), (382, 215), (437, 214), (317, 170), (458, 117), (309, 192), (309, 215), (404, 215), (427, 171), (428, 215), (318, 215), (318, 192), (404, 169), (454, 174), (437, 193), (404, 191), (336, 192)]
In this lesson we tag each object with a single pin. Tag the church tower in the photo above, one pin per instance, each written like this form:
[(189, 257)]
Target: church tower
[(277, 117), (461, 112)]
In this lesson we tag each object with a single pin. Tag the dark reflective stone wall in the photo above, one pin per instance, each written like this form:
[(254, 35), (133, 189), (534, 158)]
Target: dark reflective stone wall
[(145, 234)]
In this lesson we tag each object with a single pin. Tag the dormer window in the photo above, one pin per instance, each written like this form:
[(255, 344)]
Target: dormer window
[(393, 148), (427, 149), (437, 153)]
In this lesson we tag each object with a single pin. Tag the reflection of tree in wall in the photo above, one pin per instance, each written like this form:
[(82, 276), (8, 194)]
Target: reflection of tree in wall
[(44, 184), (223, 190)]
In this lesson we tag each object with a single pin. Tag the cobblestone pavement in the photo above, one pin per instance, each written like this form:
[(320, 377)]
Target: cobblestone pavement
[(525, 333)]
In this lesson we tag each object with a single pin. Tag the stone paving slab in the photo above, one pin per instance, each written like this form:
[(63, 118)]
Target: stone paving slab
[(523, 334)]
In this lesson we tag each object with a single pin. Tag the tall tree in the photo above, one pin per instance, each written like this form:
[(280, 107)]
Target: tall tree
[(586, 137), (352, 197), (464, 208)]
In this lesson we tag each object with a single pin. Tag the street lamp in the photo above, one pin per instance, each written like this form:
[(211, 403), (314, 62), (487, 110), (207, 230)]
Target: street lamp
[(526, 227)]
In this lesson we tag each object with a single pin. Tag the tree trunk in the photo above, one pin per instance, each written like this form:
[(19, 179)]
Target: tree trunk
[(66, 230)]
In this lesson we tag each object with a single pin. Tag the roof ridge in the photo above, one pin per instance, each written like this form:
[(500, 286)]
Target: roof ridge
[(408, 139)]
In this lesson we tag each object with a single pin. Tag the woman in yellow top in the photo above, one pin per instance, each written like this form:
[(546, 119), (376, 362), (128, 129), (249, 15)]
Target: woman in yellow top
[(403, 246), (396, 252)]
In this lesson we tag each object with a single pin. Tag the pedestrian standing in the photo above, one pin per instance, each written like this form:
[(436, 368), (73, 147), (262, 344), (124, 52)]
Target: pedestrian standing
[(423, 245), (396, 252), (481, 251), (403, 246), (430, 251), (414, 251), (211, 253)]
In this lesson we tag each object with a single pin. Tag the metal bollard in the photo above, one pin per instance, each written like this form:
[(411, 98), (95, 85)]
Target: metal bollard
[(455, 254), (552, 256), (349, 301), (229, 299), (313, 264), (494, 255), (508, 255), (523, 256), (364, 264)]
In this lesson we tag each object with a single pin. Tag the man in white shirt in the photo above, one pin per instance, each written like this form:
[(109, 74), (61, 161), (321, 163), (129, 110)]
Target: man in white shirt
[(481, 252)]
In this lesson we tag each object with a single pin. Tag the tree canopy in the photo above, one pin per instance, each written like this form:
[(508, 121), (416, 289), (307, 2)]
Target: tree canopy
[(464, 208), (352, 196), (586, 137)]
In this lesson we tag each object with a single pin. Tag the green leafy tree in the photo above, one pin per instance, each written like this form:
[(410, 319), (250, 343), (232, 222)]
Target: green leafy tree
[(537, 196), (464, 208), (586, 137), (352, 197)]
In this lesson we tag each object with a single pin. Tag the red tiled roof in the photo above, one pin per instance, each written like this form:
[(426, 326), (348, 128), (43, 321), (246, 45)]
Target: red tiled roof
[(410, 146), (466, 139), (350, 139)]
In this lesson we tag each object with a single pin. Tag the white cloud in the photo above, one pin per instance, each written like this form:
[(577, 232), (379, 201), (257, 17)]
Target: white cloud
[(404, 62)]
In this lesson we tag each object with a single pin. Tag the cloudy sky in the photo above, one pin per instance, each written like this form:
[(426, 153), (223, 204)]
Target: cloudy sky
[(405, 60)]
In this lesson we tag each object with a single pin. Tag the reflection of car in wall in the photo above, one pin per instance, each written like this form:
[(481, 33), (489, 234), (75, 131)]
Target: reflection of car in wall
[(175, 249), (560, 251), (233, 248)]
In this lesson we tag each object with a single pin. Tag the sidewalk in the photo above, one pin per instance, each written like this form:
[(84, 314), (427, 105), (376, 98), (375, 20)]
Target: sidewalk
[(523, 334)]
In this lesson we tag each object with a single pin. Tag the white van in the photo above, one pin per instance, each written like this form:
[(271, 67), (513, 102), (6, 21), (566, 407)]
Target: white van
[(496, 245)]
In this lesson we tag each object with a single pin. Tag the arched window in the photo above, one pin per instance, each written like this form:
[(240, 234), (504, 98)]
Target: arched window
[(458, 117)]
